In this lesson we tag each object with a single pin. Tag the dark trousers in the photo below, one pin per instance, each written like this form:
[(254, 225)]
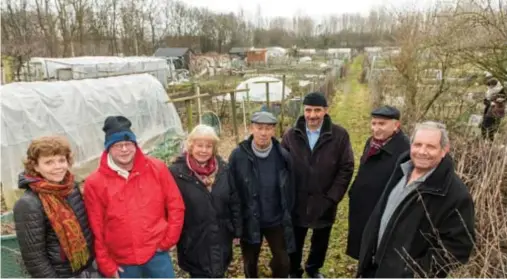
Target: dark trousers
[(279, 262), (489, 127), (318, 250)]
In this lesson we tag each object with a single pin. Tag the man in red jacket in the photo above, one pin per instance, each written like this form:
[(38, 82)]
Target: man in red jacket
[(134, 208)]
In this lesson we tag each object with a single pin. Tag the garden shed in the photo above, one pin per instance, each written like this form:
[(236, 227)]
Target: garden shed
[(77, 109)]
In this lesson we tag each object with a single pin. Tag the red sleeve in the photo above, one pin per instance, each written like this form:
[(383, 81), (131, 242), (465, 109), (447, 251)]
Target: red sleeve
[(96, 210), (175, 209)]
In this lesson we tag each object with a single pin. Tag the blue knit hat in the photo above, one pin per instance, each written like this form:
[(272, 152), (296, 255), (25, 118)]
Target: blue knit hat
[(117, 128)]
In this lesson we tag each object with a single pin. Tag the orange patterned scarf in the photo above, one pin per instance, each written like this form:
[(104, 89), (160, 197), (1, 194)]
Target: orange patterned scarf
[(63, 219)]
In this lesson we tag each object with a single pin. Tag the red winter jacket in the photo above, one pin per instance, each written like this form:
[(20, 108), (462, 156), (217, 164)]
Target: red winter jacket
[(132, 218)]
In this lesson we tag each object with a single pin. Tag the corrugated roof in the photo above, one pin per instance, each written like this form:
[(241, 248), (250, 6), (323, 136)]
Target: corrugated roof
[(171, 51)]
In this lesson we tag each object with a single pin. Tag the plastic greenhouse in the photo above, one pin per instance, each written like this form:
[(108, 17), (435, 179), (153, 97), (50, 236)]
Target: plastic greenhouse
[(257, 91), (77, 109), (84, 67)]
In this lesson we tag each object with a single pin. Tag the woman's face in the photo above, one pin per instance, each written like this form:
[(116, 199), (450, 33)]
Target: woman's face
[(52, 168), (202, 150)]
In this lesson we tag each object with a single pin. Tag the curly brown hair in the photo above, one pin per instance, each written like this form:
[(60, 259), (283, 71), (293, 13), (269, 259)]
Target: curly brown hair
[(46, 146)]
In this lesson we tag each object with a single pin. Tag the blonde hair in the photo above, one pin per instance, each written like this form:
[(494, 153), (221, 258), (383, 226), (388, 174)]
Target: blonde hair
[(202, 131)]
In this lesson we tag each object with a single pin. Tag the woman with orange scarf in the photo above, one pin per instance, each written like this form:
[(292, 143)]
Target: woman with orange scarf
[(50, 218)]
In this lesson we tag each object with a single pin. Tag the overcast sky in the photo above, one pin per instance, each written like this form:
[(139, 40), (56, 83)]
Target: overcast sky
[(313, 8)]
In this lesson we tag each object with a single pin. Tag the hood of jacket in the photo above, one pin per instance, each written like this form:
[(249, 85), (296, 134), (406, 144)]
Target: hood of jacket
[(25, 180)]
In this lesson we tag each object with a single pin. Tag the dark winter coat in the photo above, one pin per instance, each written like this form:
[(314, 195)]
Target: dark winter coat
[(370, 182), (322, 175), (40, 248), (212, 220), (438, 216), (242, 163)]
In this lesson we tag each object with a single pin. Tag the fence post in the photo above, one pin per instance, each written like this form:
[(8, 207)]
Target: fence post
[(267, 96), (234, 120), (199, 103), (282, 106), (190, 125), (247, 100)]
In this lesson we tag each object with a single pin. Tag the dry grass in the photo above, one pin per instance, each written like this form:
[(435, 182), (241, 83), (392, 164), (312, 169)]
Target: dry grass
[(482, 166)]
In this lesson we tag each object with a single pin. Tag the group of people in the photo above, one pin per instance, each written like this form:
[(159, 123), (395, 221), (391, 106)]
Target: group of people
[(410, 214)]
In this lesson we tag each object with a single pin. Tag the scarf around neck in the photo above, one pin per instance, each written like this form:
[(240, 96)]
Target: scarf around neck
[(376, 145), (261, 153), (62, 218), (205, 173)]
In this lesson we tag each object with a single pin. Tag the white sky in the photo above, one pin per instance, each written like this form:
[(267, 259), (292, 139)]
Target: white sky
[(313, 8)]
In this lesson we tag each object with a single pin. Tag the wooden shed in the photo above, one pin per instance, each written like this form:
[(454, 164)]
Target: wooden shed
[(257, 56)]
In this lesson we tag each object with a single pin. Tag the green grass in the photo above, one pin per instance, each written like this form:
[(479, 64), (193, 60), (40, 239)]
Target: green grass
[(350, 110)]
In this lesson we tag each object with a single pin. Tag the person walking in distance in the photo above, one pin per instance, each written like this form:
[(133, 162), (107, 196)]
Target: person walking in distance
[(323, 166), (423, 224), (262, 173), (380, 154), (135, 208)]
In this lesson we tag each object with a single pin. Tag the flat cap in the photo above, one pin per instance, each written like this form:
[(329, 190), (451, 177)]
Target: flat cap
[(316, 99), (388, 112), (263, 117)]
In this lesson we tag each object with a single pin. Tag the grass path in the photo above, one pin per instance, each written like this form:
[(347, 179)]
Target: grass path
[(350, 110)]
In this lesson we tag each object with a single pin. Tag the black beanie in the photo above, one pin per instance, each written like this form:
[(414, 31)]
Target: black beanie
[(315, 99), (117, 128)]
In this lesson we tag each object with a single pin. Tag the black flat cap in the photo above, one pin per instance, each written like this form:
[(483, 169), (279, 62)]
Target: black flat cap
[(388, 112), (315, 99), (263, 117)]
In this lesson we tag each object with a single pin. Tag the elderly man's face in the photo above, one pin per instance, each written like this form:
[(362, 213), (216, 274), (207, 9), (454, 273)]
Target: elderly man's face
[(382, 128), (262, 134), (425, 150), (314, 116)]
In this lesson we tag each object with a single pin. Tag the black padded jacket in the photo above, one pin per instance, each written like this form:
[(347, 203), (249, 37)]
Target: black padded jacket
[(40, 249)]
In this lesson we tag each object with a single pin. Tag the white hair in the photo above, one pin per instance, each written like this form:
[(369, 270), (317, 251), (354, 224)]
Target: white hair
[(433, 125), (202, 131)]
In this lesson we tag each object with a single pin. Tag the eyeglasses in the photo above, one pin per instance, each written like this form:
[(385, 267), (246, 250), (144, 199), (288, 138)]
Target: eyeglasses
[(126, 145)]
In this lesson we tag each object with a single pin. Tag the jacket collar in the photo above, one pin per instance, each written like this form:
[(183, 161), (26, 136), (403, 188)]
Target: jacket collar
[(392, 145), (438, 182), (246, 146)]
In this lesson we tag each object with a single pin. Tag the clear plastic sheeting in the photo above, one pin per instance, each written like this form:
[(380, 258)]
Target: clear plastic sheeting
[(77, 109), (257, 91), (98, 66)]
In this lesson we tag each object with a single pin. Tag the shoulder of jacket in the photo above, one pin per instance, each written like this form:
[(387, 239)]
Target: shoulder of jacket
[(234, 154), (155, 161), (458, 189), (291, 131), (337, 128), (93, 177), (29, 201)]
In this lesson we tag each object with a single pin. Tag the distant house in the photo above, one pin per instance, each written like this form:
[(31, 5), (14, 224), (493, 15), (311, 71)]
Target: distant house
[(180, 56), (257, 56), (239, 51)]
